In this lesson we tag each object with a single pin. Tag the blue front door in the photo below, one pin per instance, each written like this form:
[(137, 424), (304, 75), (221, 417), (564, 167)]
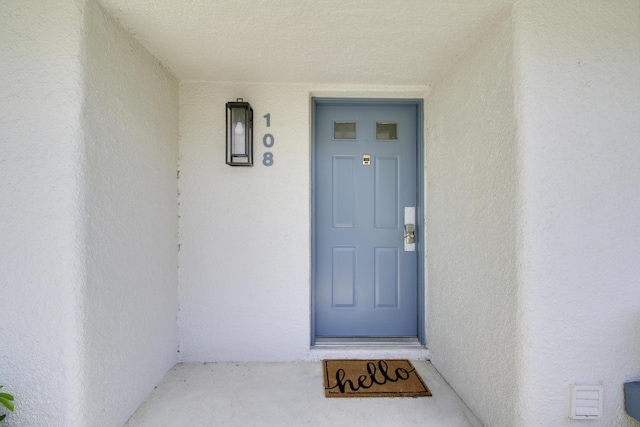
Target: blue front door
[(365, 267)]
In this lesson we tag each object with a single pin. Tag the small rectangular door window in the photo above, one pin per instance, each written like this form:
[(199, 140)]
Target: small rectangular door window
[(344, 130), (386, 131)]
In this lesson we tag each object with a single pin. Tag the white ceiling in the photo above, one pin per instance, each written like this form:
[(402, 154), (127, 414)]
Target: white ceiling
[(398, 42)]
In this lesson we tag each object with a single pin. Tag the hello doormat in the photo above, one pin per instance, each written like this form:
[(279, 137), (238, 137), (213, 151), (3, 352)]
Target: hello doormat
[(372, 378)]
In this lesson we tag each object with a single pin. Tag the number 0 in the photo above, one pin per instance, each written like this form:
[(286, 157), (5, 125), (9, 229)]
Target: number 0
[(268, 140)]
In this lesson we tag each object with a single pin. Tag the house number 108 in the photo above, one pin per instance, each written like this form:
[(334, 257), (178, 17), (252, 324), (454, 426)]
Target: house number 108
[(268, 141)]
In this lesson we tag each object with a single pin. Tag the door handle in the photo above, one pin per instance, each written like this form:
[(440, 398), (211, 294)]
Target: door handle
[(409, 228), (409, 233)]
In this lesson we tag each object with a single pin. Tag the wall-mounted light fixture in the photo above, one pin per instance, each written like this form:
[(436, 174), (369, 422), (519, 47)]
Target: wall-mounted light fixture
[(239, 133)]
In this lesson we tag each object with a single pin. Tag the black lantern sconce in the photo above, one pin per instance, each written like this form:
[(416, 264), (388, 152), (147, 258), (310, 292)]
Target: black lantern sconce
[(239, 133)]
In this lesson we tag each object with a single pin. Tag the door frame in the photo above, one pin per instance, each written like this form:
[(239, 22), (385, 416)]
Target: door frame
[(420, 234)]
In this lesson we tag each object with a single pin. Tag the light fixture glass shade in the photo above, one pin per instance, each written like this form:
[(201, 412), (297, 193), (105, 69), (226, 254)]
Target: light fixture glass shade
[(238, 136), (239, 151)]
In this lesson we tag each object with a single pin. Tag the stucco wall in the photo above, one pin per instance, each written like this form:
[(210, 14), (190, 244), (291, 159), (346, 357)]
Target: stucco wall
[(88, 216), (130, 130), (245, 232), (472, 266), (579, 65), (40, 210), (88, 199)]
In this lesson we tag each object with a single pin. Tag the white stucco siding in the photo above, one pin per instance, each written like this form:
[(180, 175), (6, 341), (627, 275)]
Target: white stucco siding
[(533, 207), (245, 248), (244, 231), (579, 65), (40, 210), (472, 244), (130, 130)]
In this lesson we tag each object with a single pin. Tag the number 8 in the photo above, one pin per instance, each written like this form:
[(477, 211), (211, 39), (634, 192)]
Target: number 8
[(267, 158)]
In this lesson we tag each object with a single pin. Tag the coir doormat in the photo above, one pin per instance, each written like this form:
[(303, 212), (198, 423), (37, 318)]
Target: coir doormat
[(372, 378)]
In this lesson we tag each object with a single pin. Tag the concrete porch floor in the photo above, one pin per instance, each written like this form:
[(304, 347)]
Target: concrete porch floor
[(288, 394)]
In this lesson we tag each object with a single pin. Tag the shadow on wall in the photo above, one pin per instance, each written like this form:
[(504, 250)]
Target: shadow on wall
[(632, 386)]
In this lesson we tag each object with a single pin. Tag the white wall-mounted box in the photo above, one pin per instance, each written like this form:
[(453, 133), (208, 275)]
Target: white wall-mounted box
[(585, 402)]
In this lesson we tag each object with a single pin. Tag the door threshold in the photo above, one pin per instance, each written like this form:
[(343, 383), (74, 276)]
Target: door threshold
[(412, 342)]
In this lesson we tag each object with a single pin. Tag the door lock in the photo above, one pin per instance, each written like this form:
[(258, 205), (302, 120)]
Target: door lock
[(409, 233)]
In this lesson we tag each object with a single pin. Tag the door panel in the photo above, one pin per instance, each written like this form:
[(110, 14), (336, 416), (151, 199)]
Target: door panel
[(344, 191), (386, 277), (343, 279), (365, 282), (386, 192)]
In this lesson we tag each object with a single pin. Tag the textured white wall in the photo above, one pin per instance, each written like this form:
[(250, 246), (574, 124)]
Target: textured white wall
[(244, 278), (88, 216), (245, 232), (40, 210), (130, 127), (471, 169), (574, 317), (579, 65)]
